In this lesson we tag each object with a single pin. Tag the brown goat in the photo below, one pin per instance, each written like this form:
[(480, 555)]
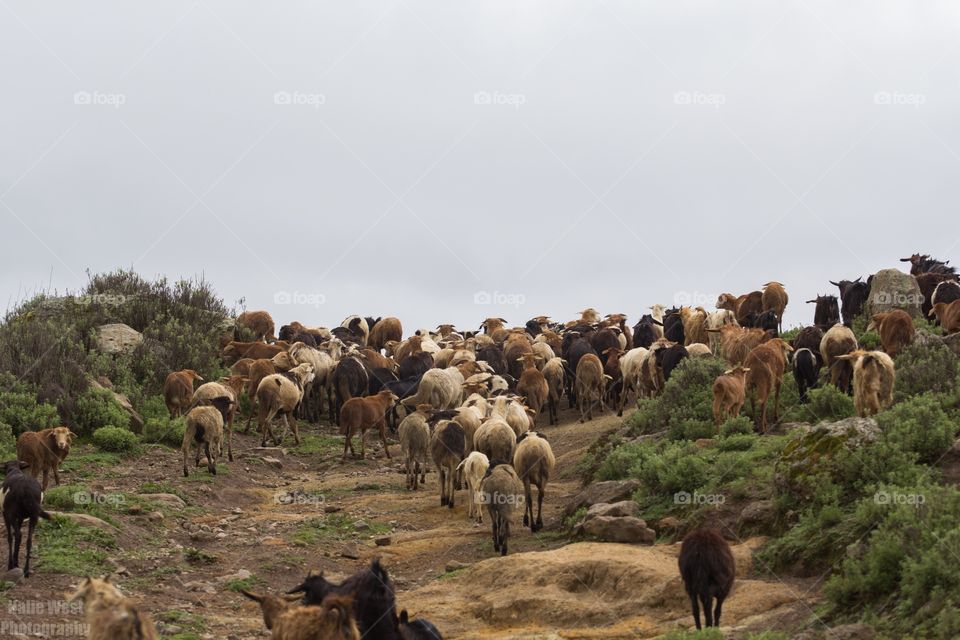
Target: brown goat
[(837, 341), (447, 448), (737, 342), (590, 384), (729, 394), (948, 315), (533, 461), (236, 350), (109, 615), (178, 391), (331, 620), (360, 414), (384, 331), (44, 451), (895, 328), (258, 322), (873, 380), (766, 364), (774, 298), (532, 385)]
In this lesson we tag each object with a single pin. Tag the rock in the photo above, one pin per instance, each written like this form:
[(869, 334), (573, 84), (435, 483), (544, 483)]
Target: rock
[(807, 452), (155, 516), (136, 420), (610, 491), (893, 289), (455, 565), (84, 519), (242, 574), (14, 575), (758, 512), (350, 551), (383, 541), (952, 341), (625, 529), (273, 462), (167, 499), (850, 632), (668, 523), (331, 508), (135, 510), (360, 525), (117, 338), (615, 510)]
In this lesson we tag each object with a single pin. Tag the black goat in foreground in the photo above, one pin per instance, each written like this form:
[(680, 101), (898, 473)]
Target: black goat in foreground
[(20, 497), (707, 568)]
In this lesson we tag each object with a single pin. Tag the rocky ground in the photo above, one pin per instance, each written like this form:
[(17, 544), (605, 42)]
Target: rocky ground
[(183, 546)]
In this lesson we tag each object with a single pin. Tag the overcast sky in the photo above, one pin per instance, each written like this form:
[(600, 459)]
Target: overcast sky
[(402, 157)]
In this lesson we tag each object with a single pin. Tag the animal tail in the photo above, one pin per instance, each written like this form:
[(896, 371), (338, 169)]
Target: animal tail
[(198, 433)]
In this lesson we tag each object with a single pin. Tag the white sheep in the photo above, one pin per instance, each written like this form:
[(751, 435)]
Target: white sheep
[(473, 468)]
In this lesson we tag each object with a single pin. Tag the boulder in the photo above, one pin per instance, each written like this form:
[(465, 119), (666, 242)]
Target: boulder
[(814, 449), (615, 510), (117, 338), (609, 492), (758, 512), (136, 420), (626, 529), (850, 632), (167, 499), (893, 289), (84, 519), (952, 341)]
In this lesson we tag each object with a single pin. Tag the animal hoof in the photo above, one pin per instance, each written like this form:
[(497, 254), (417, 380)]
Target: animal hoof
[(525, 520)]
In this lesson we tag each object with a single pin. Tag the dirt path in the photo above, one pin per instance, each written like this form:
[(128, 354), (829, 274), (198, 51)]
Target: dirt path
[(263, 522)]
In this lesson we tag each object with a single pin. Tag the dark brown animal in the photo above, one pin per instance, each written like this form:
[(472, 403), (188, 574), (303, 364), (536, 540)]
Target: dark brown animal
[(360, 414), (708, 570), (178, 391), (766, 365)]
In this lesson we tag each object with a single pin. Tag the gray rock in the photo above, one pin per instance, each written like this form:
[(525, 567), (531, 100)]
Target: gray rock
[(625, 529), (758, 512), (361, 525), (893, 289), (350, 551), (14, 575), (84, 519), (117, 338), (155, 516), (383, 541), (273, 462), (242, 574), (615, 510), (609, 492)]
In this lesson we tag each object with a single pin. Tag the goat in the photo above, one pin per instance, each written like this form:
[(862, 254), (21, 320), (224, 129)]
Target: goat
[(501, 494), (708, 570), (774, 298), (280, 394), (873, 380), (533, 461), (44, 451), (20, 499), (414, 437), (204, 430), (853, 295), (590, 386), (473, 468), (447, 448), (806, 370), (923, 263), (839, 340), (766, 365), (729, 394), (257, 322), (826, 313), (948, 315), (360, 414), (178, 391), (553, 373), (495, 439), (383, 331), (332, 619), (895, 328), (349, 380), (109, 615)]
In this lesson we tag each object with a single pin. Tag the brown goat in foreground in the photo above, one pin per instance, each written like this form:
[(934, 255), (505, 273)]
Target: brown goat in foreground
[(44, 451), (532, 384), (109, 615), (533, 461), (360, 414), (331, 620), (948, 315), (873, 380), (708, 570), (766, 365), (178, 391), (895, 328)]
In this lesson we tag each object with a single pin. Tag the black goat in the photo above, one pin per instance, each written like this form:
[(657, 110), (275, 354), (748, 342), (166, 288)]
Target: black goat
[(417, 629), (21, 498), (806, 371), (853, 295), (708, 569)]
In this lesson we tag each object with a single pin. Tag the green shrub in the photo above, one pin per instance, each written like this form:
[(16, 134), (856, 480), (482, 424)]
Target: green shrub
[(869, 340), (919, 425), (7, 442), (925, 367), (824, 403), (685, 406), (19, 409), (741, 425), (97, 408), (115, 439), (164, 431)]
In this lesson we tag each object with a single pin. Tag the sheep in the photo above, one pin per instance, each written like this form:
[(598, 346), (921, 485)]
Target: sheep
[(516, 346), (533, 461), (374, 602), (417, 629), (414, 437), (416, 364), (440, 388), (806, 371), (360, 414), (241, 367), (590, 385), (500, 492), (383, 331), (708, 569), (729, 394), (470, 418), (495, 439), (332, 619), (573, 348), (280, 394), (699, 350), (553, 372), (447, 448), (349, 380), (323, 365), (109, 615), (766, 364), (895, 328), (357, 325), (604, 339), (694, 324), (229, 388), (611, 369), (630, 364), (873, 381), (948, 315), (20, 499), (837, 341), (205, 428), (44, 451), (532, 384), (473, 468), (178, 390), (657, 312), (257, 322), (512, 411), (543, 351), (774, 298), (619, 321)]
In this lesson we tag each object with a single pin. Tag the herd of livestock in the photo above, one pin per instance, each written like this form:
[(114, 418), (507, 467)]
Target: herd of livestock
[(473, 402)]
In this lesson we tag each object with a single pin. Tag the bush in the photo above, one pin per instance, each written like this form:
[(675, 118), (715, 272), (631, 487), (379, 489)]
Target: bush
[(685, 406), (97, 408), (19, 409), (919, 425), (7, 443), (737, 426), (824, 403), (164, 431), (930, 366), (115, 439), (869, 340)]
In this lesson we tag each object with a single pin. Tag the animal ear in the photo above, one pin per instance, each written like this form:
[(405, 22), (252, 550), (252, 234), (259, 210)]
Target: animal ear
[(23, 465), (746, 369), (404, 617), (253, 596)]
